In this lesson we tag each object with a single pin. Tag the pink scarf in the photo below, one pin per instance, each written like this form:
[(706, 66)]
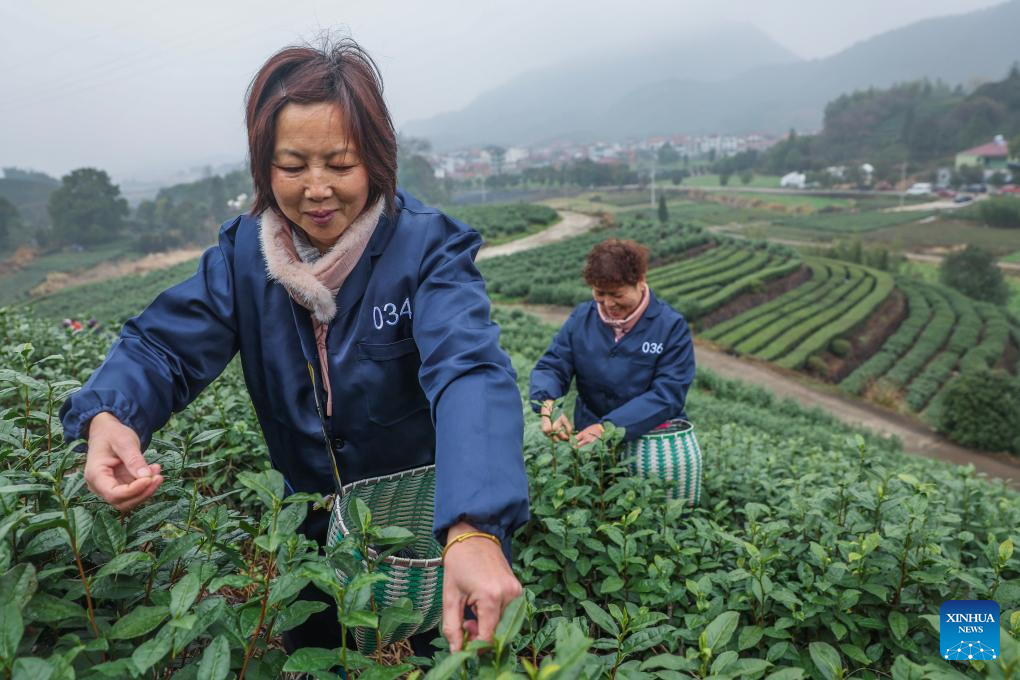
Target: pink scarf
[(623, 326), (315, 285)]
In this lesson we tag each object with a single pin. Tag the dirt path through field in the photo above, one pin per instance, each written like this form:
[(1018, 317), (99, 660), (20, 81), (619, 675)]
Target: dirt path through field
[(109, 270), (571, 224), (917, 438)]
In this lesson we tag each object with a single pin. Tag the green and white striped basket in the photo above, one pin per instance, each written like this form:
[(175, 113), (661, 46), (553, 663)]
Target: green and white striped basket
[(672, 454), (406, 500)]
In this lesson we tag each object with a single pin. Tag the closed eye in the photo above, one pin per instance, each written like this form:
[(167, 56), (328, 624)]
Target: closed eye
[(290, 168)]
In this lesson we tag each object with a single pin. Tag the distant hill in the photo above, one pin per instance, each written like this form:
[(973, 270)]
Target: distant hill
[(771, 93), (29, 191), (919, 122), (570, 99)]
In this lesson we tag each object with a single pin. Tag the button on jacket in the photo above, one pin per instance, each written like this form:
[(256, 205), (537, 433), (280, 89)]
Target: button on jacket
[(416, 370), (637, 383)]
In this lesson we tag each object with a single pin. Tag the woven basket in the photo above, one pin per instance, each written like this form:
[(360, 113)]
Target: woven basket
[(406, 500), (671, 454)]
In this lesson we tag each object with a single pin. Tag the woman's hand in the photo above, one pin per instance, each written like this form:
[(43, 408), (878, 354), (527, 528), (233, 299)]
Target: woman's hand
[(114, 467), (561, 429), (590, 434), (475, 574)]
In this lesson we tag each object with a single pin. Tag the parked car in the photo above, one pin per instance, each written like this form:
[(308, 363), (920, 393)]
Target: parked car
[(976, 188), (1010, 189), (946, 193), (963, 198), (919, 189)]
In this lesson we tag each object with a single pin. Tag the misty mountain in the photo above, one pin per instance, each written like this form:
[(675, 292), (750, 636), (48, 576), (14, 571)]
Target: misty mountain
[(706, 91), (571, 98)]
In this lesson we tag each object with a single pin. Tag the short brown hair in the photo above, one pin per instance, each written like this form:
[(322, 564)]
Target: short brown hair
[(615, 263), (341, 73)]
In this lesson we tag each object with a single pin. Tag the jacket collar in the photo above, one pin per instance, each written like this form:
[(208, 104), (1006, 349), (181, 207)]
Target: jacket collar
[(298, 278)]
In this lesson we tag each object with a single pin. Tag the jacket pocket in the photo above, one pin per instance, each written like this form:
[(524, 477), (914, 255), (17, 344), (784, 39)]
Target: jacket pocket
[(389, 374)]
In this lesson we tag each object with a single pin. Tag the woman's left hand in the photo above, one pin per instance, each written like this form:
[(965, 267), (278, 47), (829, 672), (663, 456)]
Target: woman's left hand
[(590, 434), (476, 575)]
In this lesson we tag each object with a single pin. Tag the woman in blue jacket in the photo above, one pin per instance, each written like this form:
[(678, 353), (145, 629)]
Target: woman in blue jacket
[(338, 270), (631, 353)]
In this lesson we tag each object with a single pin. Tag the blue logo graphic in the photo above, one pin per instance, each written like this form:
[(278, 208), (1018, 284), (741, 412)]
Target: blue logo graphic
[(969, 630)]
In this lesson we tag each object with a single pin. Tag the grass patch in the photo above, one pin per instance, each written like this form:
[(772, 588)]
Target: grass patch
[(1012, 257), (114, 300), (15, 287), (709, 181), (946, 231)]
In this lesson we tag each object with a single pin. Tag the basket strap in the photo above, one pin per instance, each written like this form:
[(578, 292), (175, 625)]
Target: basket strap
[(325, 432)]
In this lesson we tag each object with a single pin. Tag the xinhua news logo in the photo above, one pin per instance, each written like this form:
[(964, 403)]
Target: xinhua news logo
[(969, 630)]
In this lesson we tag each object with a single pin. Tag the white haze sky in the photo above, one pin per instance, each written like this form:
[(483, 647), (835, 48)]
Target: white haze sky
[(146, 88)]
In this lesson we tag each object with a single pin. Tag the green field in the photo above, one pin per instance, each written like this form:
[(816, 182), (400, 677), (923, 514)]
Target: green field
[(946, 231), (712, 181), (15, 287), (1013, 257), (503, 222), (115, 300)]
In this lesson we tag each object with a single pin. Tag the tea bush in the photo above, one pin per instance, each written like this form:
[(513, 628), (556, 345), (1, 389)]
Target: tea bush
[(817, 552)]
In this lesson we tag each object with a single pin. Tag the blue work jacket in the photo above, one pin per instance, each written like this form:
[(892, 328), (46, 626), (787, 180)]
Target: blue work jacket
[(637, 383), (416, 369)]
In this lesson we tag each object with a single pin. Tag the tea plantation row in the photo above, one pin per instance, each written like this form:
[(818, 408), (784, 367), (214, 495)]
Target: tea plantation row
[(816, 553)]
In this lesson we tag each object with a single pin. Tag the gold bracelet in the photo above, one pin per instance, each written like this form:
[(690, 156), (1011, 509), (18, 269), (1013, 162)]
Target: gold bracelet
[(471, 534)]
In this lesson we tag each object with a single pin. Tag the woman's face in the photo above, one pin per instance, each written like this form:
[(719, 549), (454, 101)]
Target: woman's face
[(318, 179), (620, 301)]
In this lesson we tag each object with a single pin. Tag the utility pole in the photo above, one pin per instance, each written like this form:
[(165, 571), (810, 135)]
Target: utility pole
[(903, 180), (653, 184)]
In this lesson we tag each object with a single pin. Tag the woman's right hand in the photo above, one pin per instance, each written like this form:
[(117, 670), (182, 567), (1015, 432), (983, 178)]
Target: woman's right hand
[(561, 429), (115, 469)]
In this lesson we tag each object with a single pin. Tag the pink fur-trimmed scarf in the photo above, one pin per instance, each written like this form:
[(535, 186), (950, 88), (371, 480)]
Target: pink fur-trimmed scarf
[(315, 285)]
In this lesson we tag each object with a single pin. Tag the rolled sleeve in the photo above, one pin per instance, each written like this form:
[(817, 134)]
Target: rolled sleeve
[(551, 377), (472, 388), (164, 357)]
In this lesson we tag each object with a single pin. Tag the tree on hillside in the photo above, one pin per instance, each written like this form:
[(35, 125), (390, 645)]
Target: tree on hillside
[(10, 220), (974, 273), (979, 410), (663, 210), (724, 178), (746, 176), (1014, 147), (87, 208), (668, 155), (415, 173)]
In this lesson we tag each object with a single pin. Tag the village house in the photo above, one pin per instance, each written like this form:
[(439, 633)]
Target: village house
[(991, 158)]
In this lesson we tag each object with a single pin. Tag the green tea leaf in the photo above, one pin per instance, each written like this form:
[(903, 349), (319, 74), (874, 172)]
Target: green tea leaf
[(11, 629), (511, 621), (183, 594), (46, 608), (215, 663), (138, 622), (109, 535), (448, 666), (826, 659), (601, 618), (149, 653), (898, 624), (310, 659), (721, 629), (18, 585)]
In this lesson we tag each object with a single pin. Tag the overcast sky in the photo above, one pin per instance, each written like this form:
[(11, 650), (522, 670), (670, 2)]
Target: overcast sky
[(142, 88)]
